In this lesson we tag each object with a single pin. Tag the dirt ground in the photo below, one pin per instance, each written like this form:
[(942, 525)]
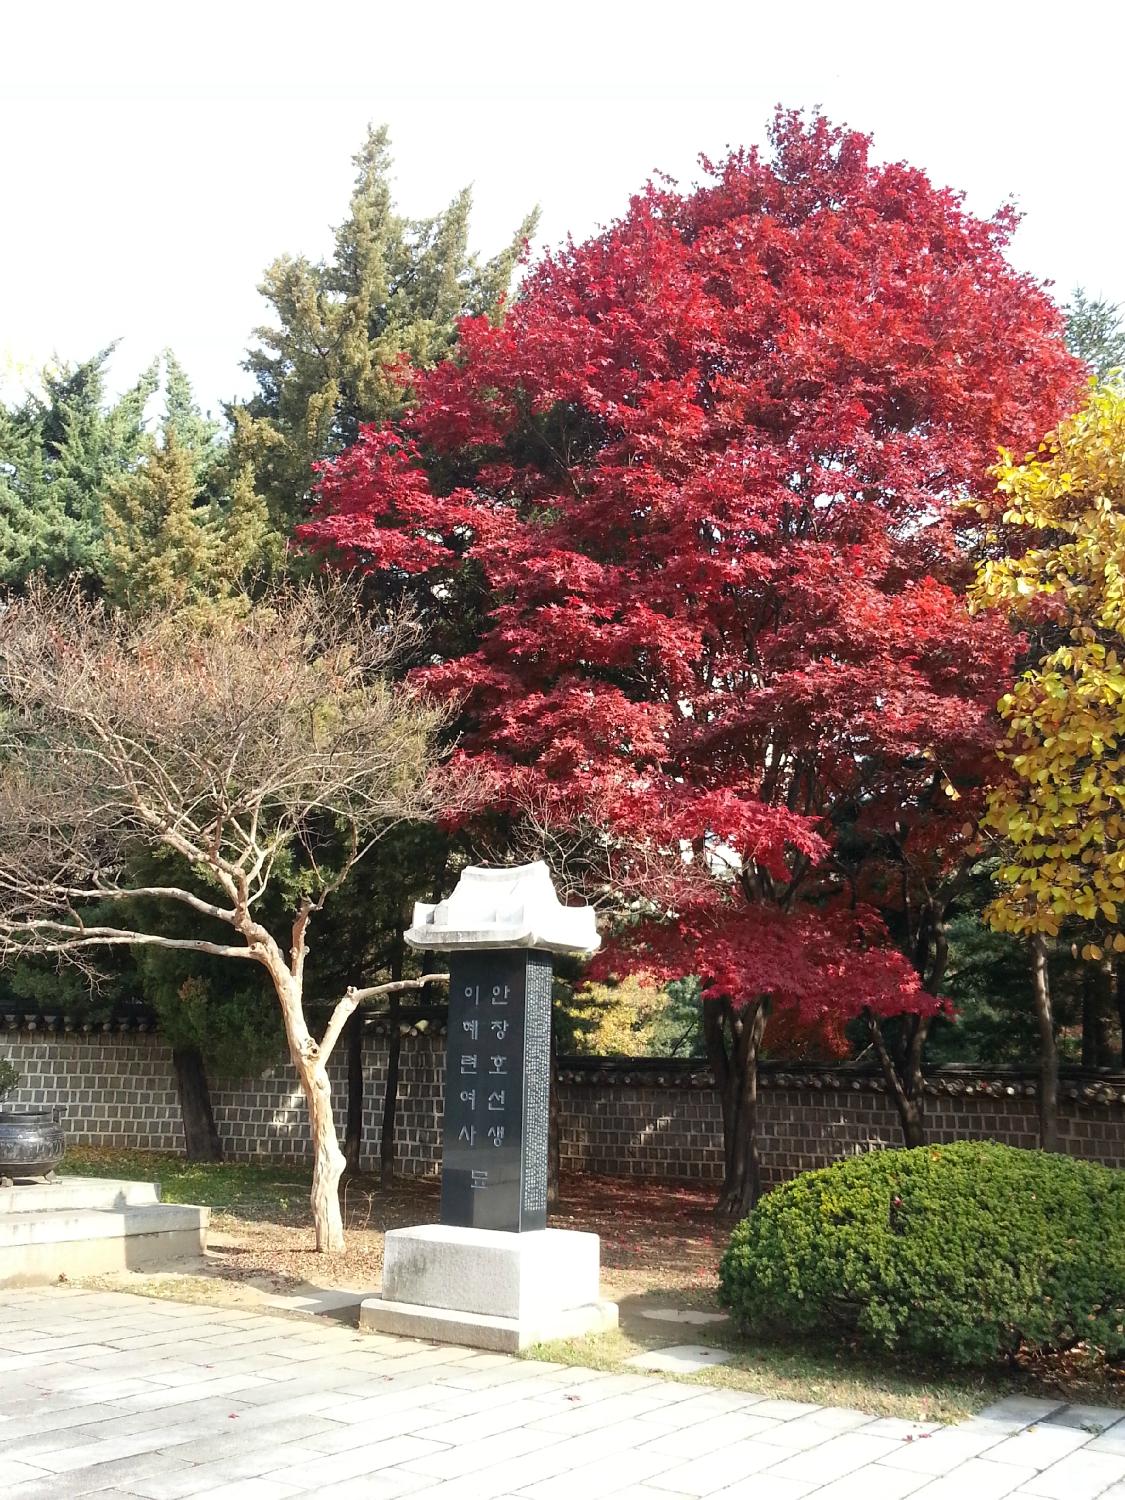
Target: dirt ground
[(674, 1252), (656, 1237)]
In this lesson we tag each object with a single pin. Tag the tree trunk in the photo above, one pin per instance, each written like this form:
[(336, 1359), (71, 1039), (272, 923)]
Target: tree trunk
[(904, 1075), (1121, 1007), (394, 1062), (312, 1072), (913, 1111), (1092, 1019), (912, 1118), (390, 1098), (1048, 1050), (733, 1036), (328, 1160), (353, 1128), (717, 1058), (749, 1179), (715, 1043), (554, 1134), (201, 1138), (1098, 1000)]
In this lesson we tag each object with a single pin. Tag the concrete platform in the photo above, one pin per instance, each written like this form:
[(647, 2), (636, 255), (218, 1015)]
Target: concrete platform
[(77, 1192), (488, 1288), (79, 1226)]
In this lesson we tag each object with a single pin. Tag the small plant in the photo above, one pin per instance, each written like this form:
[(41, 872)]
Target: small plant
[(963, 1254), (9, 1077)]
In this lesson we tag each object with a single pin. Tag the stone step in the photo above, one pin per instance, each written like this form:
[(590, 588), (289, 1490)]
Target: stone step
[(95, 1223), (77, 1192), (69, 1243), (443, 1325)]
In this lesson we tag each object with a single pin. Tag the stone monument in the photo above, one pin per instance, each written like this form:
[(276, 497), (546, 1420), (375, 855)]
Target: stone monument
[(491, 1274)]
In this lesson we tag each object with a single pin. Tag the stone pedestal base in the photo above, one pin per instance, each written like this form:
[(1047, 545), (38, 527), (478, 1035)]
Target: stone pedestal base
[(488, 1288), (440, 1325)]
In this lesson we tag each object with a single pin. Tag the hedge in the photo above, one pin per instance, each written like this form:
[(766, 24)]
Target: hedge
[(963, 1253)]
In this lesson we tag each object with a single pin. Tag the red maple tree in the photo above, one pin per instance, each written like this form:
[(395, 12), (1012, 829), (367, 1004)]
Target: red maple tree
[(685, 527)]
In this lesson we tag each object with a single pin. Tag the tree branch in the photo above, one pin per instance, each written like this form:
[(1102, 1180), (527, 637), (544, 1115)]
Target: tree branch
[(297, 947), (157, 892), (67, 937), (345, 1008)]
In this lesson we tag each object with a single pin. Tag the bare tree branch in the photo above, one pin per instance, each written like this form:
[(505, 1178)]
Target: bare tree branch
[(136, 892), (274, 738), (344, 1009), (59, 938)]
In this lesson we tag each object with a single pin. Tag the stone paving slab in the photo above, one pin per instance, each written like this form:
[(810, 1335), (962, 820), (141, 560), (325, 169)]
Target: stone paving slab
[(680, 1359), (107, 1394)]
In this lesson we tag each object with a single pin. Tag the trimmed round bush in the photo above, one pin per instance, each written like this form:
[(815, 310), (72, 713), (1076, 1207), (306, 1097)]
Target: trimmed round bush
[(962, 1253)]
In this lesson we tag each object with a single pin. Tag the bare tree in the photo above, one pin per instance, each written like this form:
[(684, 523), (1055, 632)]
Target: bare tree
[(265, 753)]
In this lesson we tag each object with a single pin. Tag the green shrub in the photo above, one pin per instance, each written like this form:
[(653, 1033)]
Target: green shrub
[(960, 1253)]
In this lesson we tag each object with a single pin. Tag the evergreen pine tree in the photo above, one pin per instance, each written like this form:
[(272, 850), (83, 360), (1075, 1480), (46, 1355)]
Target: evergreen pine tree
[(198, 433), (1095, 332), (248, 548), (184, 531), (169, 546), (394, 286), (59, 449), (159, 548)]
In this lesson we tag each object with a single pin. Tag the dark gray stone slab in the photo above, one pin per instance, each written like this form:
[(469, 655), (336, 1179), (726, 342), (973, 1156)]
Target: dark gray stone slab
[(497, 1091)]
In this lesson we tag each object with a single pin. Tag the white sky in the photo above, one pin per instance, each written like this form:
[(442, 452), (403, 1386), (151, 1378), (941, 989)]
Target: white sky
[(157, 154)]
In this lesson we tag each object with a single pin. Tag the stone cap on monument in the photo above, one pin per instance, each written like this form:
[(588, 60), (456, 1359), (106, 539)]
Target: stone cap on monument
[(505, 908)]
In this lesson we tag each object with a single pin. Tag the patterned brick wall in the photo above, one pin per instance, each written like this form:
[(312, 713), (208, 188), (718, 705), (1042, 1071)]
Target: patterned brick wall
[(265, 1117), (113, 1090), (636, 1129), (119, 1089)]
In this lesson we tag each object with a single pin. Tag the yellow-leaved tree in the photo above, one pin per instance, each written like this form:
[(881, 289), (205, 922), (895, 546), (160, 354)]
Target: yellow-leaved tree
[(1060, 809), (616, 1020)]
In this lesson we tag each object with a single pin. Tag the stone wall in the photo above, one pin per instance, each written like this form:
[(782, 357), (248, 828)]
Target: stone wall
[(113, 1090), (117, 1087), (265, 1117), (628, 1120)]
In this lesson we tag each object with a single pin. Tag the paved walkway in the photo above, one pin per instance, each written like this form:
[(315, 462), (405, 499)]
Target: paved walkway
[(119, 1395)]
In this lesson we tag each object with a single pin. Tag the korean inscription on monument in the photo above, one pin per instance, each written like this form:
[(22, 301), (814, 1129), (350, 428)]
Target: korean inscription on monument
[(494, 1057)]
